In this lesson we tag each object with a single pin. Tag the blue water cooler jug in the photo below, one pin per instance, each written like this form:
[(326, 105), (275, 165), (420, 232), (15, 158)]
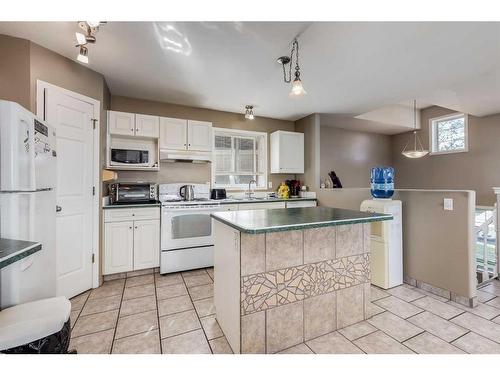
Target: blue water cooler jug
[(382, 182)]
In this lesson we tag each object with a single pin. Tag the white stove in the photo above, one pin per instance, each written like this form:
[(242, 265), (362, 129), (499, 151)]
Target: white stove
[(186, 229)]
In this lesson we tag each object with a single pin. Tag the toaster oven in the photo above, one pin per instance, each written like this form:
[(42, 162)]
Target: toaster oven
[(133, 192)]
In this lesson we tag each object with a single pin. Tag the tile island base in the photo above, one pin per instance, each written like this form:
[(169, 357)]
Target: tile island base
[(277, 289)]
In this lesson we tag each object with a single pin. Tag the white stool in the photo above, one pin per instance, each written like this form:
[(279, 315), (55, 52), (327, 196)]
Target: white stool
[(36, 327)]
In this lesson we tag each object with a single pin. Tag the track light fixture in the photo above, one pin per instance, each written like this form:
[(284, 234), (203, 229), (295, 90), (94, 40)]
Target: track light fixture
[(249, 112), (297, 88), (89, 28)]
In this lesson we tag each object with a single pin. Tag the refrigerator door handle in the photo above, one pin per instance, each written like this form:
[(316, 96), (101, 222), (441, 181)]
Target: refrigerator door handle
[(29, 144)]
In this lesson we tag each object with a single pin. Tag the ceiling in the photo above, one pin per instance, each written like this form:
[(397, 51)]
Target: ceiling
[(348, 68)]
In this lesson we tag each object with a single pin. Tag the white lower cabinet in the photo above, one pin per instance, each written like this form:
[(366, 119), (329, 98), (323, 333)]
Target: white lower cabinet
[(118, 247), (146, 244), (131, 239)]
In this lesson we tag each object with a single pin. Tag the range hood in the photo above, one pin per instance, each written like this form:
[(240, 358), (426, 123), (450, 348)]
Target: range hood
[(185, 156)]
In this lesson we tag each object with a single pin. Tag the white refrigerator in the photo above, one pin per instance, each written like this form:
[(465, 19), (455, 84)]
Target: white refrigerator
[(27, 202)]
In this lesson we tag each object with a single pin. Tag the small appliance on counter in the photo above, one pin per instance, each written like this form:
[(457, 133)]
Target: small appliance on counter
[(133, 193), (186, 192), (218, 194), (382, 182), (294, 186)]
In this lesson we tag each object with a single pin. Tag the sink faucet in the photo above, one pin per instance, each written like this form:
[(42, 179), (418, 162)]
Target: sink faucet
[(249, 192)]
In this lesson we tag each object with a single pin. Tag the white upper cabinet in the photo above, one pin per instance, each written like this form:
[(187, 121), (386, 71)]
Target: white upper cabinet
[(180, 134), (173, 133), (121, 123), (131, 124), (287, 152), (147, 126), (199, 135)]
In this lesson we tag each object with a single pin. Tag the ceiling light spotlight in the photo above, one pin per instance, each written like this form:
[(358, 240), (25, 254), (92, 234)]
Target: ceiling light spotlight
[(83, 55), (297, 88), (93, 24), (249, 112), (80, 39)]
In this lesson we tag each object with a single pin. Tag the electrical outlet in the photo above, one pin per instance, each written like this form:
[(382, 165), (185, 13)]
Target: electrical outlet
[(270, 185), (448, 204)]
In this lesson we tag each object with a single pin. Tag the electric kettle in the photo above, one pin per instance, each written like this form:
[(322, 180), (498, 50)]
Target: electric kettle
[(187, 192)]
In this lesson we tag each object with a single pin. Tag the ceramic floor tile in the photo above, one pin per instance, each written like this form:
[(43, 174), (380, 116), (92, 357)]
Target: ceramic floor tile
[(195, 280), (394, 326), (73, 317), (197, 272), (94, 323), (138, 305), (78, 301), (482, 310), (174, 305), (142, 343), (426, 343), (168, 279), (171, 291), (474, 344), (355, 331), (176, 324), (438, 326), (108, 289), (484, 296), (495, 302), (138, 291), (201, 291), (210, 272), (397, 306), (439, 308), (220, 346), (297, 349), (193, 342), (433, 295), (137, 323), (98, 305), (377, 293), (479, 325), (406, 293), (139, 280), (95, 343), (211, 327), (332, 343), (372, 310), (492, 288), (204, 307), (380, 343)]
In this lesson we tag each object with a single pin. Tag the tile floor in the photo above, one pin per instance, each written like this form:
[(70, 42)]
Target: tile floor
[(151, 313)]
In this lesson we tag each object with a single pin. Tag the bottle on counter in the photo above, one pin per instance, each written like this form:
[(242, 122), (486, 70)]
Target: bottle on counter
[(283, 191)]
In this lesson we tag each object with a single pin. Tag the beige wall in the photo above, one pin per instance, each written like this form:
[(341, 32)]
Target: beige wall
[(187, 172), (474, 170), (352, 154), (438, 245), (15, 70)]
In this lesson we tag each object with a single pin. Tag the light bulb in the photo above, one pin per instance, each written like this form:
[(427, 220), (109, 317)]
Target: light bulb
[(297, 88), (415, 154), (93, 24), (80, 39)]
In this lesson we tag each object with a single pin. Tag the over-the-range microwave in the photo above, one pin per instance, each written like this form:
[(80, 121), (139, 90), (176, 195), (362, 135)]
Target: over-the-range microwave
[(130, 157)]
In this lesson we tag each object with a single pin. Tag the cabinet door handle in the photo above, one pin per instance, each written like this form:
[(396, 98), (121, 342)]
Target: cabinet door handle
[(135, 227), (129, 227), (58, 208)]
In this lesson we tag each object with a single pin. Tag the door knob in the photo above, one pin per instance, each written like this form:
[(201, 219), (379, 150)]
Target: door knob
[(58, 208)]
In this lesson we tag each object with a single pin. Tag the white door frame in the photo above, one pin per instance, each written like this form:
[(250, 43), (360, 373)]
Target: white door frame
[(40, 110)]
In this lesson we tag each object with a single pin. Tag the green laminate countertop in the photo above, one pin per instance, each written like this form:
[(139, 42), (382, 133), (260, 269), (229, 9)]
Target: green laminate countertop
[(282, 219), (14, 250)]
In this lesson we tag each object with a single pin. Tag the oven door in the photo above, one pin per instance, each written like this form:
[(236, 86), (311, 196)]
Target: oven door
[(185, 227)]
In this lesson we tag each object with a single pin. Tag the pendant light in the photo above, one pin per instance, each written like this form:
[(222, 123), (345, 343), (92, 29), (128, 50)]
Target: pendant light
[(297, 88), (249, 112), (418, 149)]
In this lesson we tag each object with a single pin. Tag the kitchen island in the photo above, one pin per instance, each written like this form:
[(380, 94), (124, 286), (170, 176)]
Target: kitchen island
[(284, 276)]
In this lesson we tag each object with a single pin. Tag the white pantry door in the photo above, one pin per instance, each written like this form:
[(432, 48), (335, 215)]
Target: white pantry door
[(72, 118)]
